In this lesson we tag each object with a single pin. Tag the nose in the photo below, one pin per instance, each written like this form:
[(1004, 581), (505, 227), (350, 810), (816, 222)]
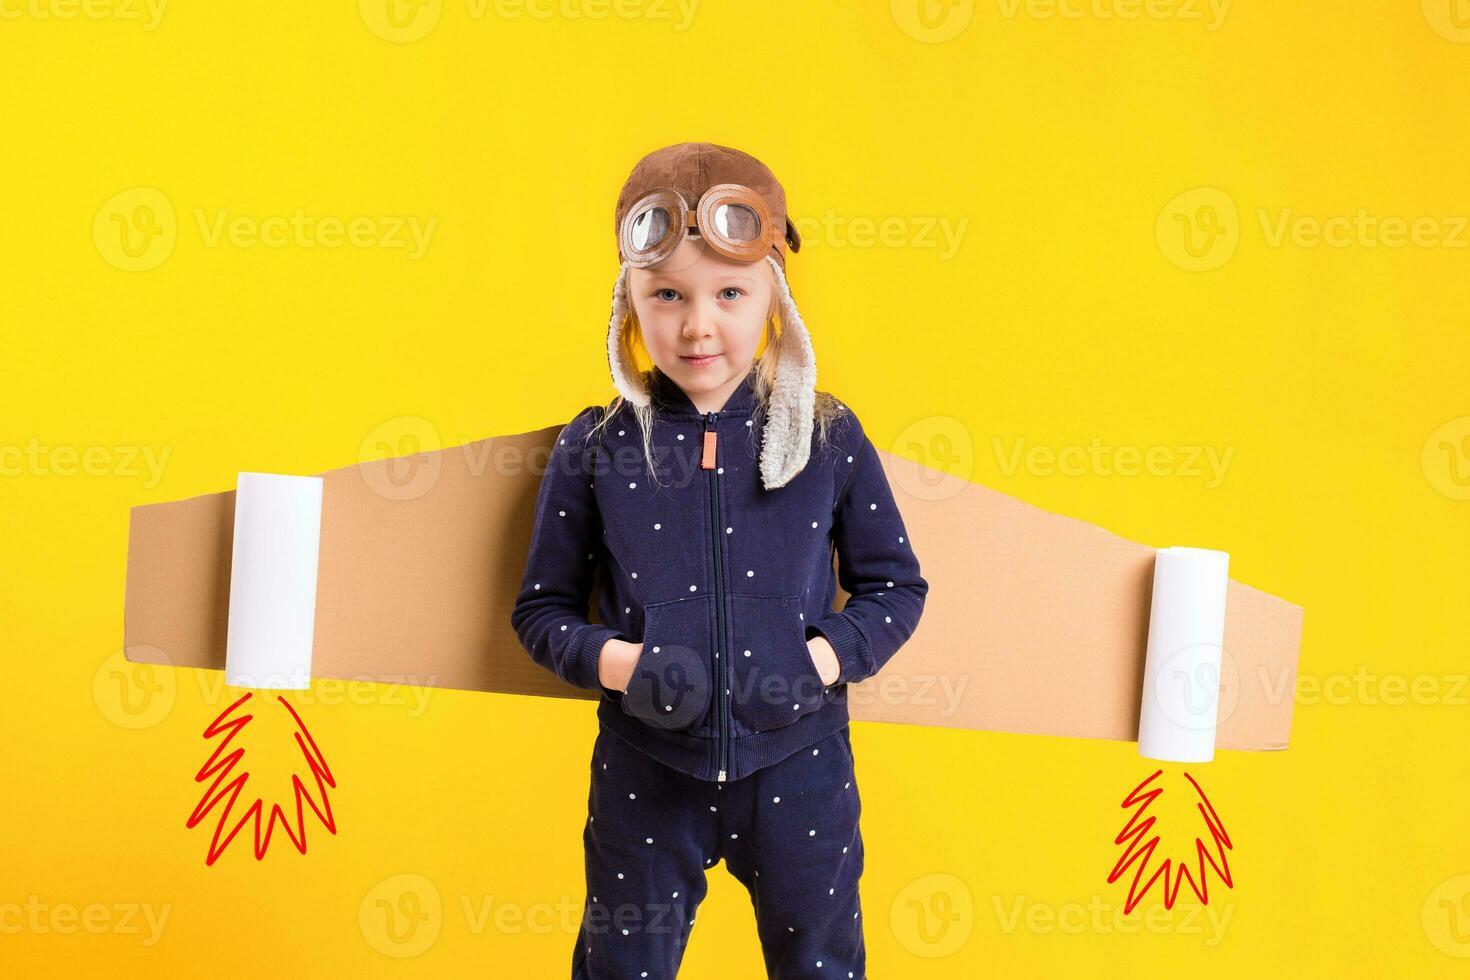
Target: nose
[(699, 321)]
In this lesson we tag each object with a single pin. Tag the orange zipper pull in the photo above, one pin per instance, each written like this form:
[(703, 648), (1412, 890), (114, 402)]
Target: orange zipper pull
[(707, 461)]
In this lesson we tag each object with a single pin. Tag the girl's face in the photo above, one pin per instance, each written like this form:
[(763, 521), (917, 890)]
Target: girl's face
[(702, 316)]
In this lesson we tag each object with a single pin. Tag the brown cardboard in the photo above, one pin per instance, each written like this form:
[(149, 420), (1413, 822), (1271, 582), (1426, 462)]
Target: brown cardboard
[(1034, 623)]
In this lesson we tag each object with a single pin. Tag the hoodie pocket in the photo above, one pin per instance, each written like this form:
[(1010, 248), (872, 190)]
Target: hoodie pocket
[(671, 686), (775, 681)]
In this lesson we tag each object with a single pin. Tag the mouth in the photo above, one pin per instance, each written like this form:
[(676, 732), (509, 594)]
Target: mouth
[(699, 360)]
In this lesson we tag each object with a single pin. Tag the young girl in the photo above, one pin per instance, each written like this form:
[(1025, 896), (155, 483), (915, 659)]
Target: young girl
[(721, 664)]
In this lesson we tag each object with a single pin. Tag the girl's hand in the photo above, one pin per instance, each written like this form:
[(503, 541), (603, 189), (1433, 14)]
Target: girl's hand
[(828, 667), (615, 662)]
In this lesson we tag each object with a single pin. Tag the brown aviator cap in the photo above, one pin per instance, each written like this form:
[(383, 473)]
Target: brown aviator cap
[(693, 168)]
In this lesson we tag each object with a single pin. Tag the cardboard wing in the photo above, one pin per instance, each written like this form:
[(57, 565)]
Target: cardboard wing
[(1035, 623)]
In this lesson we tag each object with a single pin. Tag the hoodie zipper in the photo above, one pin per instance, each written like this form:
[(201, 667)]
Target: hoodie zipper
[(722, 683)]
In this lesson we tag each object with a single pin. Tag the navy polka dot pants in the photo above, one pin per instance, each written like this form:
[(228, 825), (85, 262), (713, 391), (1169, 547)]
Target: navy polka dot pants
[(788, 832)]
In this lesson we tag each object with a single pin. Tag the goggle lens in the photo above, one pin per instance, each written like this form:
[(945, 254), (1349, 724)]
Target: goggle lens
[(649, 228), (737, 222)]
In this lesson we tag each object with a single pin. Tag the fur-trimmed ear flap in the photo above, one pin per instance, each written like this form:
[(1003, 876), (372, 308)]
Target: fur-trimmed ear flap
[(624, 375), (787, 434)]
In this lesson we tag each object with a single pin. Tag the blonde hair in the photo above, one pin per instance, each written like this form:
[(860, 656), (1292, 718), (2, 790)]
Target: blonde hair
[(825, 411)]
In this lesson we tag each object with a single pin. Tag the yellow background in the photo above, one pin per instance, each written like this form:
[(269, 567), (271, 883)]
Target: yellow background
[(1072, 308)]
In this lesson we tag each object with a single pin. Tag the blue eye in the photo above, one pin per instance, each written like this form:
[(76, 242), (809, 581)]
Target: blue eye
[(671, 298), (732, 289)]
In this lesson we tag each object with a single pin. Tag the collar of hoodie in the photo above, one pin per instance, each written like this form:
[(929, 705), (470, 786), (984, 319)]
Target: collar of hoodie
[(672, 400)]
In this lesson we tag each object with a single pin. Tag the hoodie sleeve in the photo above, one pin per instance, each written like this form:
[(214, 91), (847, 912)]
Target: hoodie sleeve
[(550, 613), (876, 566)]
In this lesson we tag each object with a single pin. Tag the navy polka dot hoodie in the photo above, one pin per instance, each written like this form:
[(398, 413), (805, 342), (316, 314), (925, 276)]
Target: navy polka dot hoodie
[(720, 579)]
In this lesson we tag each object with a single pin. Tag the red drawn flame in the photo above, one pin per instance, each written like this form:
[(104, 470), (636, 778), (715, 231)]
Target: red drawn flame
[(221, 768), (1141, 848)]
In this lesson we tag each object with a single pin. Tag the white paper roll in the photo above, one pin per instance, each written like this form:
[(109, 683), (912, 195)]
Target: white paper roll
[(278, 523), (1181, 675)]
